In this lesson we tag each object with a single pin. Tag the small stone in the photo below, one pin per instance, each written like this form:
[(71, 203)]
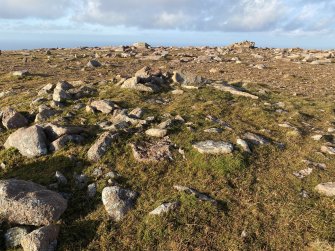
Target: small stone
[(303, 173), (328, 149), (256, 139), (118, 201), (244, 145), (61, 179), (93, 63), (213, 130), (42, 239), (327, 189), (14, 235), (22, 73), (91, 190), (156, 132), (104, 106), (165, 208), (80, 180)]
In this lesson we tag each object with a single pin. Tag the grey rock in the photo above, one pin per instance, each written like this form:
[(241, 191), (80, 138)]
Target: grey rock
[(61, 95), (91, 190), (328, 149), (45, 113), (12, 119), (244, 145), (256, 139), (156, 132), (141, 45), (42, 239), (27, 203), (31, 141), (104, 106), (214, 147), (14, 235), (64, 140), (93, 63), (80, 180), (101, 146), (61, 179), (165, 208), (118, 201), (22, 73), (54, 131), (189, 79)]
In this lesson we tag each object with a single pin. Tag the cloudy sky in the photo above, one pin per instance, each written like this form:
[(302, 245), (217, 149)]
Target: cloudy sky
[(67, 23)]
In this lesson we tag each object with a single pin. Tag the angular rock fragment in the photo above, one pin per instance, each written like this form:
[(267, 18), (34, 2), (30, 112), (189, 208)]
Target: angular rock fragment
[(104, 106), (54, 131), (93, 63), (42, 239), (244, 145), (118, 201), (189, 80), (14, 235), (31, 141), (214, 147), (61, 142), (255, 139), (165, 208), (27, 203), (12, 119), (45, 113), (101, 146)]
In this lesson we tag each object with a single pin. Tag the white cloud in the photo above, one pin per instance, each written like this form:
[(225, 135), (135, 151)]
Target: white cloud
[(48, 9), (191, 15)]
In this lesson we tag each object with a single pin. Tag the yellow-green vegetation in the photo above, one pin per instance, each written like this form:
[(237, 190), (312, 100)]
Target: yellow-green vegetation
[(260, 203)]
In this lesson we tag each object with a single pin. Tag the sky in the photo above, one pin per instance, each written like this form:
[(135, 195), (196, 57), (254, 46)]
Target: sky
[(26, 24)]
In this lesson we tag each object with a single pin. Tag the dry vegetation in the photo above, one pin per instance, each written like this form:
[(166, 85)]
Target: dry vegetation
[(260, 202)]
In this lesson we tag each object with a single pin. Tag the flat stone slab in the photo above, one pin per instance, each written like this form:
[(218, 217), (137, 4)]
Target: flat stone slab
[(214, 147)]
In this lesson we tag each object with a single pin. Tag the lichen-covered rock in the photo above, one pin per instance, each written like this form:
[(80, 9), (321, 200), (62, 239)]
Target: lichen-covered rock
[(42, 239), (118, 201), (27, 203), (31, 141)]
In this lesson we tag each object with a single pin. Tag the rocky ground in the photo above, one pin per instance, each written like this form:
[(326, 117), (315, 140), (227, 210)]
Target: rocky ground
[(141, 148)]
